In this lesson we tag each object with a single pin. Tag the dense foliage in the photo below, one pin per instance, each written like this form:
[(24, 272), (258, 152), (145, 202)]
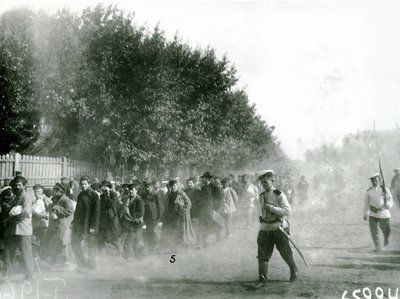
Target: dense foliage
[(94, 85)]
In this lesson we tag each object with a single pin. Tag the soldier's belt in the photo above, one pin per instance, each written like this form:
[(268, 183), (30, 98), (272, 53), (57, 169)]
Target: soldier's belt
[(262, 220), (376, 210)]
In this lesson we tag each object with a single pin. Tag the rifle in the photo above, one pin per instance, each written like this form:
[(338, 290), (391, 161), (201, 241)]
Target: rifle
[(383, 185)]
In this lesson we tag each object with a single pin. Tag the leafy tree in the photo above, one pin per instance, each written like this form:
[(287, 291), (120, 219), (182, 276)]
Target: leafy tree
[(18, 113), (107, 90)]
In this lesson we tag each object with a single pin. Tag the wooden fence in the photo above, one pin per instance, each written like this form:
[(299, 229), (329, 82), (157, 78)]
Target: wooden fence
[(45, 170)]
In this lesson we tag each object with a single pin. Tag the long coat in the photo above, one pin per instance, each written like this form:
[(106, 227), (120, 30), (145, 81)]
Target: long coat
[(152, 209), (109, 227), (59, 228), (208, 203), (87, 213), (194, 195), (177, 224), (132, 215)]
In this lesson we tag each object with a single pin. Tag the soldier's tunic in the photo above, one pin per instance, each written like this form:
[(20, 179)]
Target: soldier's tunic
[(379, 215), (270, 234)]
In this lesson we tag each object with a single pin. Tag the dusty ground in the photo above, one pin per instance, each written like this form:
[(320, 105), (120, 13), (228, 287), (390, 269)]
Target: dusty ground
[(335, 242)]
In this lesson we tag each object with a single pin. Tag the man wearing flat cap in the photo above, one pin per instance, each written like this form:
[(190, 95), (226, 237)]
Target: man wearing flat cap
[(206, 204), (395, 186), (61, 215), (376, 211), (152, 214), (132, 223), (19, 229), (109, 225), (274, 208), (85, 225)]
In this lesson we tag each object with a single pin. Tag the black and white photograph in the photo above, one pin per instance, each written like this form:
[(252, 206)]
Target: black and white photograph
[(199, 149)]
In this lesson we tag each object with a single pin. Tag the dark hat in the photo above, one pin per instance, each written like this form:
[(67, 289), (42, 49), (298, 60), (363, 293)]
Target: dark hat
[(172, 182), (20, 178), (265, 173), (59, 186), (225, 180), (37, 187), (136, 182), (147, 183), (5, 189), (85, 178), (107, 184), (124, 185), (95, 187), (207, 175), (134, 185), (47, 192)]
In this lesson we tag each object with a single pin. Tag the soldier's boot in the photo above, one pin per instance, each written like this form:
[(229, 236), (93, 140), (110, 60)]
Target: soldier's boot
[(292, 266), (293, 275), (262, 274)]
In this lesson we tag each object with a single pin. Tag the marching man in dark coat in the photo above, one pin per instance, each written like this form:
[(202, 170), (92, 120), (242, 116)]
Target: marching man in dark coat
[(85, 225), (152, 214), (61, 215), (109, 227), (206, 206), (274, 207), (132, 222)]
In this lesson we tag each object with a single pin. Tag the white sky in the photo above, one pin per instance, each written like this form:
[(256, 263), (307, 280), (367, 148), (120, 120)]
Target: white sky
[(316, 70)]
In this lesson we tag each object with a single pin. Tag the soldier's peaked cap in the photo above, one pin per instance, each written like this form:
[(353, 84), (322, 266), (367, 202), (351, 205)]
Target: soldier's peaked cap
[(374, 175), (265, 173)]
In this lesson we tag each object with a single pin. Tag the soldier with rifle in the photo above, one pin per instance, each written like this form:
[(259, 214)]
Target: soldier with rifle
[(274, 228), (378, 200)]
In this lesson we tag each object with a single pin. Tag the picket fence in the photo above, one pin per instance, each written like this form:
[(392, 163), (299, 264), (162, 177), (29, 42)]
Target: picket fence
[(45, 170)]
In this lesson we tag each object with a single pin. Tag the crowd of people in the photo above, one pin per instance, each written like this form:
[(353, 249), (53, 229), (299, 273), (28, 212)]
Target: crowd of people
[(74, 221)]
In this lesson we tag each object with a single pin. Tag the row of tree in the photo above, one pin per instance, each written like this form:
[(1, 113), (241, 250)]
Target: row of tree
[(348, 167), (94, 85)]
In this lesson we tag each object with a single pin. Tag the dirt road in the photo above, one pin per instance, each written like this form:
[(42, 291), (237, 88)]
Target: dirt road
[(335, 242)]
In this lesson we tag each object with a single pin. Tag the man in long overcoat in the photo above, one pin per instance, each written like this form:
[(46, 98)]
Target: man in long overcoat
[(132, 222), (152, 214), (85, 225), (61, 216), (206, 206), (109, 227)]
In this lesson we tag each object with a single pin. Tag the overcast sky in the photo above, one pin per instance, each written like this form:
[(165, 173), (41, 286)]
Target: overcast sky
[(316, 70)]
